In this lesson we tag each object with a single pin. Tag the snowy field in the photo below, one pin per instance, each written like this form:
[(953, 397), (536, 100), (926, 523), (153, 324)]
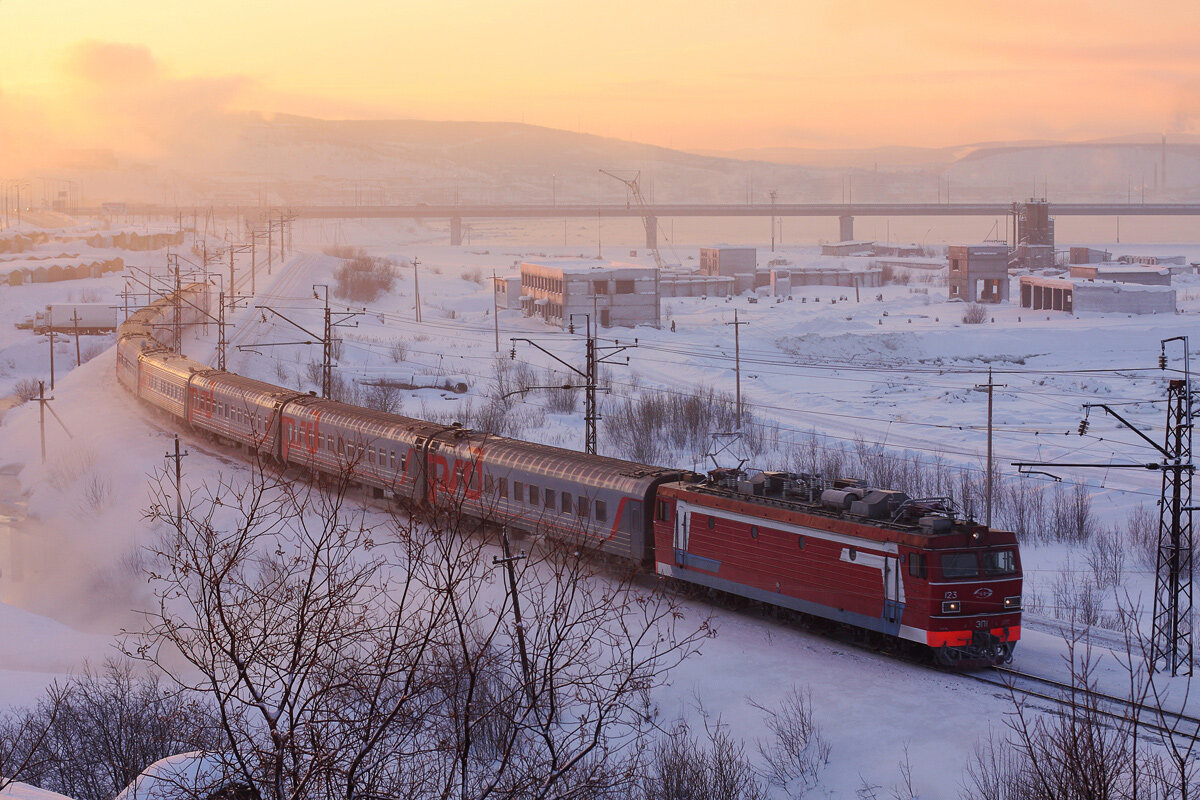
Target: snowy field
[(823, 376)]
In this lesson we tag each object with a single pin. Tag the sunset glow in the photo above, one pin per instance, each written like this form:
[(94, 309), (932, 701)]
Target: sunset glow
[(688, 75)]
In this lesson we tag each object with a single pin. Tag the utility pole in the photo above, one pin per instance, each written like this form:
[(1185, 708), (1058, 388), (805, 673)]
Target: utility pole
[(416, 262), (178, 457), (42, 400), (508, 562), (737, 355), (52, 359), (75, 321), (1171, 637), (496, 310), (988, 387), (594, 355), (270, 246)]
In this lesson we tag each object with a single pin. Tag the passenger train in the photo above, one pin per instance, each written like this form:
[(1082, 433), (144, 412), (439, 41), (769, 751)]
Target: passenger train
[(871, 559)]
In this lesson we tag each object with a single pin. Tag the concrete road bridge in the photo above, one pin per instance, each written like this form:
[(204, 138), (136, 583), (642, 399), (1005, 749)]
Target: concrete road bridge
[(649, 214)]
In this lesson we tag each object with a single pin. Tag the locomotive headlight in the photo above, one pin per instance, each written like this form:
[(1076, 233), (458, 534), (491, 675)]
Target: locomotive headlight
[(951, 607), (1013, 602)]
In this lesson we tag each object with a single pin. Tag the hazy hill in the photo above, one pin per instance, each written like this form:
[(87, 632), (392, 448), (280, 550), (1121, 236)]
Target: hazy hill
[(288, 159)]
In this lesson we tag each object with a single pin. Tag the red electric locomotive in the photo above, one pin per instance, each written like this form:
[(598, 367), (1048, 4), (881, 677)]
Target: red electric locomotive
[(872, 559)]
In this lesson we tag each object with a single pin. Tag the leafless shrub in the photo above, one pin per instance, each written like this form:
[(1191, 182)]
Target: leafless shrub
[(796, 752), (26, 389), (1141, 534), (108, 726), (382, 397), (89, 296), (646, 427), (558, 399), (682, 768), (314, 373), (975, 314), (398, 351), (1078, 752), (473, 276), (96, 492), (363, 278), (513, 380), (281, 374), (1071, 519), (23, 734), (1106, 557), (92, 350)]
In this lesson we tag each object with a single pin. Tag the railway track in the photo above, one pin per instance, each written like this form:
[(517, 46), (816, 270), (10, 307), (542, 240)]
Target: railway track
[(1162, 721)]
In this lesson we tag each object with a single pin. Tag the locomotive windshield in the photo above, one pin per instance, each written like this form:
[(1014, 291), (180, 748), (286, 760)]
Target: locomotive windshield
[(959, 565), (999, 562), (968, 565)]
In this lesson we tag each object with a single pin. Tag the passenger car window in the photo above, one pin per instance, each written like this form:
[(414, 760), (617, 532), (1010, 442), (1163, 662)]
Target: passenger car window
[(581, 508), (518, 491), (601, 511), (959, 565), (999, 562), (548, 497), (533, 495), (565, 506), (504, 488)]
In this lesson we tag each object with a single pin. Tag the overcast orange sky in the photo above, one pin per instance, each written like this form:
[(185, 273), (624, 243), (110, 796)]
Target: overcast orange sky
[(695, 75)]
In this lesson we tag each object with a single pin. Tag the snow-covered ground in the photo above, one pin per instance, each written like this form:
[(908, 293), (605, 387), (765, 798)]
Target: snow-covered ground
[(895, 365)]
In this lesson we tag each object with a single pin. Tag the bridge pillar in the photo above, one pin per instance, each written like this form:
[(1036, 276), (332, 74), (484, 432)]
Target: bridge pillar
[(651, 232), (456, 231), (845, 228)]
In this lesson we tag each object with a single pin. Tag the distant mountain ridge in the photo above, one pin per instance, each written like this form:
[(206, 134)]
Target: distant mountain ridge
[(291, 159)]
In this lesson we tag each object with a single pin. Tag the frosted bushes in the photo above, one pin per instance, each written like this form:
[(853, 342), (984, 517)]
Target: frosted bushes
[(363, 278), (797, 751), (649, 426)]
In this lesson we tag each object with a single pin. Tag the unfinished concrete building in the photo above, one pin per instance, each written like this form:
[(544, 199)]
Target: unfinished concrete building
[(978, 273), (612, 294), (1077, 295)]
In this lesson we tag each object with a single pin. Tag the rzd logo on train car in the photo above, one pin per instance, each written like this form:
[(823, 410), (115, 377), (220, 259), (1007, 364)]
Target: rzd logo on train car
[(464, 476), (983, 593)]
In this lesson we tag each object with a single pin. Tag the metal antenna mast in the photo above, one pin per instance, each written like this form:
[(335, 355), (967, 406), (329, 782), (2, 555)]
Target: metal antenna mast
[(1171, 644)]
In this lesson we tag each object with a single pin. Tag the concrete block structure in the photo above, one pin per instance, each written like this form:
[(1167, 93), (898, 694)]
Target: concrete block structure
[(851, 248), (1123, 273), (508, 291), (690, 284), (727, 261), (978, 273), (1076, 295), (1089, 255), (836, 276), (612, 294)]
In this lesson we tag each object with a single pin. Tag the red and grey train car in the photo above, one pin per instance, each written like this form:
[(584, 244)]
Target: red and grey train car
[(875, 560)]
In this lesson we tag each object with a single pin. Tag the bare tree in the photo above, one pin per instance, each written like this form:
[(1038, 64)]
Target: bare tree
[(23, 734), (349, 658)]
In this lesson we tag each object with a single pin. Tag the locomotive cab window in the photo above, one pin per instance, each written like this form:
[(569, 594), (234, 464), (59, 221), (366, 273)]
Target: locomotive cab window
[(999, 562), (662, 511), (916, 565), (959, 565)]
